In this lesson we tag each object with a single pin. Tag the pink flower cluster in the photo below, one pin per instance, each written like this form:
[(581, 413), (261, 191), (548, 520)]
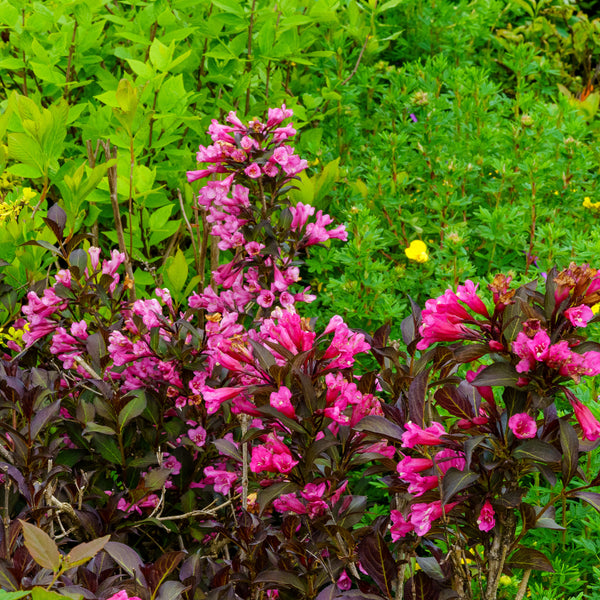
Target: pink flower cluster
[(423, 474), (533, 345), (314, 500), (444, 318), (258, 155)]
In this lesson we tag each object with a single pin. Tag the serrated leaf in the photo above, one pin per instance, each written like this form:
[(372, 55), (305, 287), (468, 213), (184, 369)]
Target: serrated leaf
[(108, 449), (41, 547)]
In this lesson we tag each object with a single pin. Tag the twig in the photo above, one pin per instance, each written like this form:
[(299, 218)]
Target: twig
[(197, 513), (92, 156), (523, 587), (353, 73), (114, 199)]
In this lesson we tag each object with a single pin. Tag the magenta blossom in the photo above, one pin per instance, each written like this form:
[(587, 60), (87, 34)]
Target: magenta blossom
[(400, 526), (579, 316), (427, 437), (589, 424), (523, 426), (486, 519)]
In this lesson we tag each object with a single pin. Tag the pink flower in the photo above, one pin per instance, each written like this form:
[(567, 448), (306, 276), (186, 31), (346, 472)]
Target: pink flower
[(428, 437), (281, 400), (344, 583), (221, 480), (400, 526), (468, 294), (523, 426), (589, 424), (579, 316), (408, 465), (486, 519), (531, 350), (253, 171), (197, 435), (424, 514), (122, 595)]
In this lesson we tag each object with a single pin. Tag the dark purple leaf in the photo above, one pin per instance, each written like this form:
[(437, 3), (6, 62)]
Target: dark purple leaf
[(58, 216), (167, 563), (450, 399), (421, 587), (528, 558), (416, 398), (43, 417), (266, 495), (536, 450), (78, 260), (282, 578), (497, 374), (592, 498), (380, 426), (455, 481), (470, 352), (376, 559), (128, 559), (570, 451), (431, 567)]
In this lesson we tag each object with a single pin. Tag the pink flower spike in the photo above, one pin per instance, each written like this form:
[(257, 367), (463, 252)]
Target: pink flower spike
[(579, 316), (486, 519), (523, 426), (589, 424)]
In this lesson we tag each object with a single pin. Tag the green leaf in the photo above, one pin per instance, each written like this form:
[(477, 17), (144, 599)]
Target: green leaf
[(177, 271), (140, 68), (455, 481), (85, 551), (161, 55), (13, 595), (38, 593), (41, 547), (159, 217), (134, 408), (98, 428), (108, 448), (27, 150)]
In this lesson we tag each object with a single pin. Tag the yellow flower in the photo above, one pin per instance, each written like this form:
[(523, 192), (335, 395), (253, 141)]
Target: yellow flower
[(587, 203), (595, 308), (28, 194), (505, 580), (417, 251)]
